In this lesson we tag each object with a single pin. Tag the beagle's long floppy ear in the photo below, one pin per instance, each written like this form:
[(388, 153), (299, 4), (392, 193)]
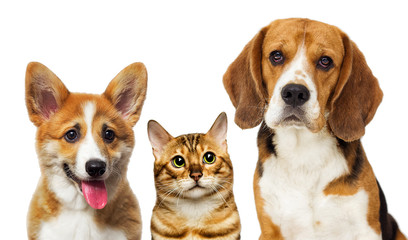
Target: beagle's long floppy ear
[(127, 91), (244, 84), (356, 96), (44, 93)]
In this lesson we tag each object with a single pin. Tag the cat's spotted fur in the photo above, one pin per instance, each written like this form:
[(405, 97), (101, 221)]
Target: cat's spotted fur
[(194, 199)]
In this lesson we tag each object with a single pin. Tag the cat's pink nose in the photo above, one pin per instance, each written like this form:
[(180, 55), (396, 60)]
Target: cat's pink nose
[(196, 176)]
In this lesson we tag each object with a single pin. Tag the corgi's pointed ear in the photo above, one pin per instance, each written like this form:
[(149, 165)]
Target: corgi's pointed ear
[(45, 93), (127, 91), (158, 137), (218, 131)]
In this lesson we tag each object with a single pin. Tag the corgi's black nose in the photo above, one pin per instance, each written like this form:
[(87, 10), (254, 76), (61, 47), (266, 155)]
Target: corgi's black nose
[(95, 167)]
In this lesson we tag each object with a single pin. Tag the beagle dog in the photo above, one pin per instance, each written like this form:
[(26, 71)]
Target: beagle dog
[(310, 88)]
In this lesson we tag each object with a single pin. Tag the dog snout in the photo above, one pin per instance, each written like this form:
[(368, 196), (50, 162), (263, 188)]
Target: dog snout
[(95, 167), (295, 95)]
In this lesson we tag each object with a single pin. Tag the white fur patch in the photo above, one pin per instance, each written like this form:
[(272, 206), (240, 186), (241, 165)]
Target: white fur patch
[(67, 192), (292, 186), (89, 148), (296, 71), (192, 204), (77, 225), (195, 209), (206, 186)]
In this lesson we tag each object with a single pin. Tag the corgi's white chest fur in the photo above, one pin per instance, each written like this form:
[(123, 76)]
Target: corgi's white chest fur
[(292, 187), (76, 221), (67, 193), (77, 225)]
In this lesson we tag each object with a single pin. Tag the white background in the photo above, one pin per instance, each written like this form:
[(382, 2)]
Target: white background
[(186, 47)]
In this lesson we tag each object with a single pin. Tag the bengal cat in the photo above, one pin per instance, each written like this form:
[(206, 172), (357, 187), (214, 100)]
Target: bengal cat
[(193, 178)]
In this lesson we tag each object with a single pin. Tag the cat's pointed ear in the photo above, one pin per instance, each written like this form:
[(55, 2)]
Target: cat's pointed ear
[(45, 93), (127, 91), (218, 131), (158, 137)]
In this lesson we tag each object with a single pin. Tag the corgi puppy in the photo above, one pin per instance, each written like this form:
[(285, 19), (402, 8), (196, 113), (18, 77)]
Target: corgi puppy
[(84, 143)]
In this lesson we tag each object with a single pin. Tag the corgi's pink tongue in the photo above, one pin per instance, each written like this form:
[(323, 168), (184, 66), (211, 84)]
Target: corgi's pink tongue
[(95, 193)]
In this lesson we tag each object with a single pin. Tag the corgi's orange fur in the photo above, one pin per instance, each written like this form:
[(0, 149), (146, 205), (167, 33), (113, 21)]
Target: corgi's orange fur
[(84, 143)]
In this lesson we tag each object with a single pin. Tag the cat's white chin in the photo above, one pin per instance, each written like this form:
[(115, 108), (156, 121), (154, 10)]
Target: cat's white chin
[(196, 192)]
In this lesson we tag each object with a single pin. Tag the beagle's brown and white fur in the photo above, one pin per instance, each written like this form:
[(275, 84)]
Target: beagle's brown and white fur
[(310, 88)]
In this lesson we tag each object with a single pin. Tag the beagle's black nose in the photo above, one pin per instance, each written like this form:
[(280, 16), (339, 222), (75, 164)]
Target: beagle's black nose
[(95, 167), (295, 95)]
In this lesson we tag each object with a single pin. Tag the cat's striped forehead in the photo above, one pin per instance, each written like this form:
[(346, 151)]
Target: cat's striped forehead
[(191, 141)]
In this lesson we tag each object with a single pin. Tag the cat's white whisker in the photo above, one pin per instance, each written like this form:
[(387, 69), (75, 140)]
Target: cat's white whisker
[(219, 194), (179, 195), (166, 195), (229, 190)]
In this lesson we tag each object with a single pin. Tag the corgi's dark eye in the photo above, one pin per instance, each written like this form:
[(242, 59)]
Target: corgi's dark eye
[(209, 158), (71, 136), (178, 162), (108, 136)]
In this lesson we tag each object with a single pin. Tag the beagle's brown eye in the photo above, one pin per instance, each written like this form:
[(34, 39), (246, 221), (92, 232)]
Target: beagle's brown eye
[(276, 58), (325, 63)]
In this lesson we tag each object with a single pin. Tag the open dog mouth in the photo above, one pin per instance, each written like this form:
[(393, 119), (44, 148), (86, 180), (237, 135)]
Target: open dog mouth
[(94, 191)]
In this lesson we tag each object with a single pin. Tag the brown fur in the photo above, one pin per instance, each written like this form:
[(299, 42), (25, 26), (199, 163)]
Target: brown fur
[(269, 229), (348, 92), (43, 206), (54, 110), (362, 176), (168, 222)]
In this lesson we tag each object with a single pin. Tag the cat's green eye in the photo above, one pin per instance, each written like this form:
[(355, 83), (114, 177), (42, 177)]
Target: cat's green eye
[(209, 158), (178, 162)]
